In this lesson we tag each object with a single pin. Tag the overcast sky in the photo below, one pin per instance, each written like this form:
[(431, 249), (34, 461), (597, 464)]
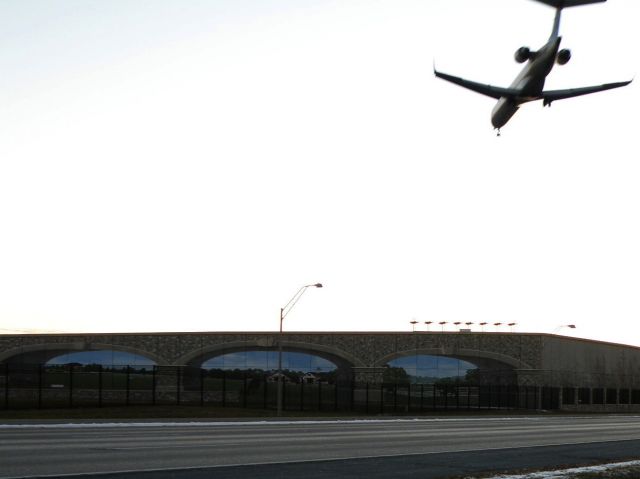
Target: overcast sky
[(187, 165)]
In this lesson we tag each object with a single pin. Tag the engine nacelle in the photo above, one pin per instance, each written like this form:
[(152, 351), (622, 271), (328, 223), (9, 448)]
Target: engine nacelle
[(563, 57), (522, 54)]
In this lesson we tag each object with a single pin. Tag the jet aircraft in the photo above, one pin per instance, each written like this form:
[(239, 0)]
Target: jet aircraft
[(529, 84)]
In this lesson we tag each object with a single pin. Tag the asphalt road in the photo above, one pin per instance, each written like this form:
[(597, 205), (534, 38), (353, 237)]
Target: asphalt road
[(429, 448)]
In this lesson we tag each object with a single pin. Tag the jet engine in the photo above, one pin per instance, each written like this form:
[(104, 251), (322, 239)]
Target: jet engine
[(523, 54), (563, 57)]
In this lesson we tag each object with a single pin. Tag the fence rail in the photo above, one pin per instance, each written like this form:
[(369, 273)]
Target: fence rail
[(44, 386)]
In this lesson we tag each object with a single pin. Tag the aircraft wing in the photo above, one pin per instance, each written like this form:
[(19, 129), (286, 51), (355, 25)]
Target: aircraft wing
[(488, 90), (553, 95)]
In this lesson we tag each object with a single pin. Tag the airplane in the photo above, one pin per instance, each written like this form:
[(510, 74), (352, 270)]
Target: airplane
[(529, 84)]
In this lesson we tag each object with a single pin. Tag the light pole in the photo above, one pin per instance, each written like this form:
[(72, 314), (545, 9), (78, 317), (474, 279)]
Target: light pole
[(283, 313), (428, 323), (413, 323)]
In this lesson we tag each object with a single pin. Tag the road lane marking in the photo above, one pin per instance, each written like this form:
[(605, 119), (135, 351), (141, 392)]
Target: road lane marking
[(304, 422), (304, 461)]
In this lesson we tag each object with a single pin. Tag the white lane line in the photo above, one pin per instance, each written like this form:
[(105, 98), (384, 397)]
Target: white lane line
[(305, 461), (301, 422), (169, 446)]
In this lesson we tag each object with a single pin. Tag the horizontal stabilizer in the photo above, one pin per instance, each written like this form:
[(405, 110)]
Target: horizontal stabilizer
[(488, 90), (569, 3), (553, 95)]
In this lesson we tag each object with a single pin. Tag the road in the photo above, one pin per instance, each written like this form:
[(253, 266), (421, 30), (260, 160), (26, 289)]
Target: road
[(377, 448)]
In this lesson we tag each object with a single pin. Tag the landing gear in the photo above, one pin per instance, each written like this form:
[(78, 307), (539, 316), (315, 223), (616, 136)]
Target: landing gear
[(497, 131)]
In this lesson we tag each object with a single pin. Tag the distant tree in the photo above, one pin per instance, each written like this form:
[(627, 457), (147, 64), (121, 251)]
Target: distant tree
[(395, 375)]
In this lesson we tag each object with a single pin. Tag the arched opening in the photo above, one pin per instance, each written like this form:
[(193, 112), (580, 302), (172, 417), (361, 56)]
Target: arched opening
[(296, 366), (438, 369), (116, 368), (105, 358), (35, 355), (63, 376)]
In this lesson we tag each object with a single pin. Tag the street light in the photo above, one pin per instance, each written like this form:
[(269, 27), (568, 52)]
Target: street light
[(511, 325), (442, 323), (482, 325), (283, 313), (413, 323), (428, 323)]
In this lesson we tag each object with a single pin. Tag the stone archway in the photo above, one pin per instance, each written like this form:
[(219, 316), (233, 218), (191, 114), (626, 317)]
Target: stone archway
[(344, 361), (42, 353), (481, 358), (492, 367)]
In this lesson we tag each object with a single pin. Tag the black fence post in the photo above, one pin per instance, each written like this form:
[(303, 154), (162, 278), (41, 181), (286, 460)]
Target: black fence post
[(433, 398), (353, 396), (6, 386), (201, 387), (40, 366), (366, 399), (395, 397), (70, 385), (224, 388), (244, 390), (264, 391), (127, 388), (154, 384), (283, 379), (100, 386), (178, 371)]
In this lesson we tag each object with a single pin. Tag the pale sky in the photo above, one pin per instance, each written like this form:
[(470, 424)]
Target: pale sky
[(187, 165)]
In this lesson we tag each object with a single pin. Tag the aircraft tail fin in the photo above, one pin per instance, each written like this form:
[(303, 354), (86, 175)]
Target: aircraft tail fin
[(560, 4)]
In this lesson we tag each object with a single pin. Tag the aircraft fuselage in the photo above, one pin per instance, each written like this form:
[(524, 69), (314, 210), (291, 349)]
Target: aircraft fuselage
[(530, 83)]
